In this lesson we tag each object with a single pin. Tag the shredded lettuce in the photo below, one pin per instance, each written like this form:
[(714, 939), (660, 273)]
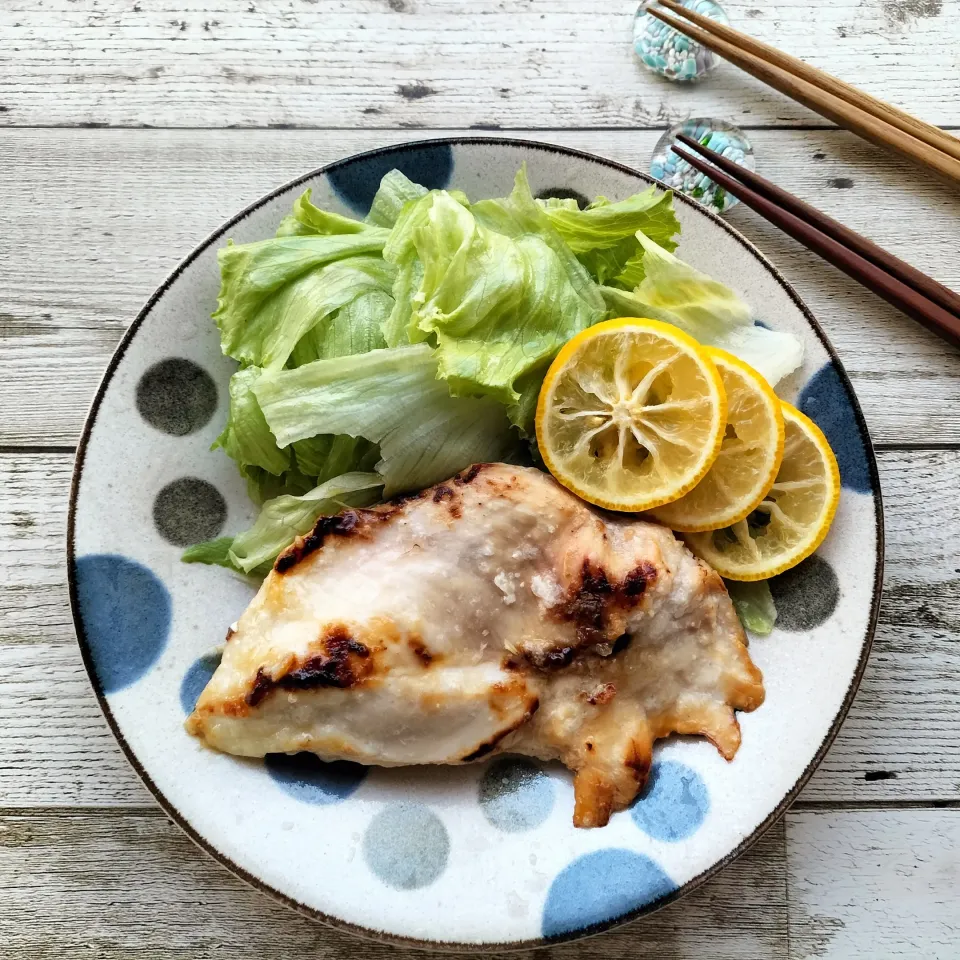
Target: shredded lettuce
[(754, 605), (390, 397), (709, 311)]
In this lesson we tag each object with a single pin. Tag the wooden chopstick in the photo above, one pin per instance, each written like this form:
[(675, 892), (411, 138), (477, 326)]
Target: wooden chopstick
[(897, 293), (820, 78), (904, 272), (828, 105)]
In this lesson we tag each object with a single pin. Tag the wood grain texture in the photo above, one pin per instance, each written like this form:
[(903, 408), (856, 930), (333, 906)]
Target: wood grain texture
[(866, 885), (901, 741), (860, 884), (432, 63), (114, 887), (100, 217), (33, 514)]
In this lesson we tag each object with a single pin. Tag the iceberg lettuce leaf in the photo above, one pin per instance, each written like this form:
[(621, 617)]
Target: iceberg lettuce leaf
[(356, 327), (246, 438), (754, 605), (520, 215), (390, 397), (396, 328), (395, 191), (263, 486), (706, 309), (327, 456), (213, 552), (285, 518), (307, 219), (604, 224), (274, 291), (604, 234), (498, 303)]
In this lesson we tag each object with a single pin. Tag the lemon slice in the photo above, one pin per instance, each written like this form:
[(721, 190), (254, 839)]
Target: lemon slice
[(631, 414), (793, 518), (749, 456)]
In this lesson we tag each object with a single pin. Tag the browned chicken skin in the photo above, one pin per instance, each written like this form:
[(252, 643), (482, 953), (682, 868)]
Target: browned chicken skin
[(495, 613)]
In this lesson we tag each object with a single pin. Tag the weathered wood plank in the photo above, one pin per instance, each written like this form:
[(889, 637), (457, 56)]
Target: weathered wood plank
[(422, 63), (95, 219), (862, 883), (901, 741), (55, 745), (113, 886), (870, 884), (33, 513)]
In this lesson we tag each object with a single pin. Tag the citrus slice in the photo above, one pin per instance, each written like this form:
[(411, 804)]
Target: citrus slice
[(749, 456), (793, 518), (631, 414)]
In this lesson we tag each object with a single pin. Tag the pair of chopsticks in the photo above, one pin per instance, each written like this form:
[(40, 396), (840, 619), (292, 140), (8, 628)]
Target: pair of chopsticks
[(902, 286), (843, 104)]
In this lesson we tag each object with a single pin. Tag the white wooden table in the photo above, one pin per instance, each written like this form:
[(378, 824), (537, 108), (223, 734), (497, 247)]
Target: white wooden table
[(129, 129)]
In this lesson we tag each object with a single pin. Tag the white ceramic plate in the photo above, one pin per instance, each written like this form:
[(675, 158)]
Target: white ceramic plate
[(480, 856)]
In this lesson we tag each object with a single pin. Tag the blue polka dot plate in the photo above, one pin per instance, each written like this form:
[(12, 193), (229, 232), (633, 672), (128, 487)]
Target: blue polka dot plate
[(483, 856)]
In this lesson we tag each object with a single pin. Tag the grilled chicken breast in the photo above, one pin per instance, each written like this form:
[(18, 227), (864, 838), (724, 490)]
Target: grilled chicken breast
[(496, 612)]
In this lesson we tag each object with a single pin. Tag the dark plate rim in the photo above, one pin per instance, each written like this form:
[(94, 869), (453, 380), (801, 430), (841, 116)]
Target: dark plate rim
[(437, 945)]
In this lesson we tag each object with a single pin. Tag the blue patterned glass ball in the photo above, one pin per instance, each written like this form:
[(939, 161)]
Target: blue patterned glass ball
[(718, 135), (669, 53)]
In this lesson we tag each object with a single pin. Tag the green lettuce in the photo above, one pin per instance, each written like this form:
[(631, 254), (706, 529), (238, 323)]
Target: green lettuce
[(263, 486), (382, 356), (211, 551), (356, 327), (393, 398), (709, 311), (396, 328), (246, 438), (604, 234), (395, 191), (282, 520), (285, 518), (603, 224), (275, 291), (307, 219), (499, 292), (326, 456), (754, 605)]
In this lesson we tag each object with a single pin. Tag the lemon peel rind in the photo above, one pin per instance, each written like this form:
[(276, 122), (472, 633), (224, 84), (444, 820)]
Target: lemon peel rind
[(823, 525), (735, 517)]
